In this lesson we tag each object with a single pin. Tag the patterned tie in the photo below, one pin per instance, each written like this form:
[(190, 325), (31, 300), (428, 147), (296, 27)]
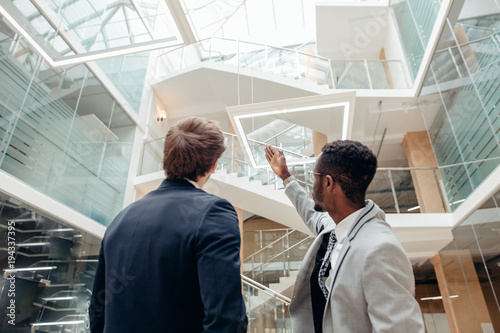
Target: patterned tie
[(326, 263)]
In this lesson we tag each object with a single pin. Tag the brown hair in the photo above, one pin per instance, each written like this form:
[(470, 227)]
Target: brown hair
[(191, 148)]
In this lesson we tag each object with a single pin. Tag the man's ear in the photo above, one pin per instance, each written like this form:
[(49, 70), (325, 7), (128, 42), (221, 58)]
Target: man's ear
[(214, 167), (329, 182)]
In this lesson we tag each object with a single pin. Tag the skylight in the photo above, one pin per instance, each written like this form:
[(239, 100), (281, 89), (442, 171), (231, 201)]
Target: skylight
[(59, 27), (273, 22)]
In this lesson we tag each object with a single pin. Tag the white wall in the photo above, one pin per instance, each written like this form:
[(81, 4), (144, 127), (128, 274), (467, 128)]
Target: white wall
[(476, 8), (394, 50)]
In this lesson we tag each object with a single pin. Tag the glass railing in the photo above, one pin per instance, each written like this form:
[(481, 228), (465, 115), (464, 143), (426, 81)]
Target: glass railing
[(453, 62), (392, 189), (464, 128), (58, 144), (415, 20), (248, 56), (267, 310), (278, 257), (476, 32)]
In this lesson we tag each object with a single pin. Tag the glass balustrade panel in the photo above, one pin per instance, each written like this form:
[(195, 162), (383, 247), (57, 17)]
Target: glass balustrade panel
[(275, 254), (352, 75), (315, 69), (396, 75), (265, 313), (152, 159), (379, 74), (380, 191)]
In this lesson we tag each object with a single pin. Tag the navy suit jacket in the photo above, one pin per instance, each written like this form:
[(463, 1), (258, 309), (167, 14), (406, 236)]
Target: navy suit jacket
[(170, 262)]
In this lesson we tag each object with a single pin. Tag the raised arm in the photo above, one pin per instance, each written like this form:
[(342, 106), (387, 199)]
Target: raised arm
[(314, 220)]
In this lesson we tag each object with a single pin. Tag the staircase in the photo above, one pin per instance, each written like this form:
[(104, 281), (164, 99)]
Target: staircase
[(284, 287), (269, 276), (284, 65), (251, 195)]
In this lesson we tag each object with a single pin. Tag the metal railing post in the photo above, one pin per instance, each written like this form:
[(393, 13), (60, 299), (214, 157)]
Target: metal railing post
[(141, 160), (298, 64), (253, 268), (368, 74), (266, 57), (332, 77), (210, 50), (306, 180), (455, 63), (446, 206), (394, 191), (288, 256), (284, 256), (182, 58), (232, 154)]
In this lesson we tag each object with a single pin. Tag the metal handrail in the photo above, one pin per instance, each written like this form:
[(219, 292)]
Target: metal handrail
[(389, 170), (468, 43), (282, 132), (280, 48), (476, 27), (254, 284), (282, 149), (270, 244), (406, 168), (281, 253)]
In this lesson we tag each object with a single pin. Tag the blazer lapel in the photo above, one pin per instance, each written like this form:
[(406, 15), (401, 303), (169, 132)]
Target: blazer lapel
[(308, 261), (367, 214)]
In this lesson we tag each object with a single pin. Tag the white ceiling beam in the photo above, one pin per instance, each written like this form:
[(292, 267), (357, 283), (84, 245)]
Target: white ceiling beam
[(181, 21)]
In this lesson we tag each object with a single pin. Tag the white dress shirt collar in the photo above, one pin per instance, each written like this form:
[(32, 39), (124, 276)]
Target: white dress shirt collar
[(345, 225), (193, 182)]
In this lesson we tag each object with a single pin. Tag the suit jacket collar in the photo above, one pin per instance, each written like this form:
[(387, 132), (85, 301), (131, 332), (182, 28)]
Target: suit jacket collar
[(370, 211), (167, 183)]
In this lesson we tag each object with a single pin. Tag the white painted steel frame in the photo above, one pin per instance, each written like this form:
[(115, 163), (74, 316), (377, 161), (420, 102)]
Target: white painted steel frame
[(336, 99), (80, 58)]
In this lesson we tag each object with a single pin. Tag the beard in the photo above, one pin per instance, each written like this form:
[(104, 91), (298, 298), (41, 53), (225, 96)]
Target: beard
[(317, 196), (318, 208)]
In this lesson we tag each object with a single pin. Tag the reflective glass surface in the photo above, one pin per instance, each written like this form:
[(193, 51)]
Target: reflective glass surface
[(62, 132), (48, 271)]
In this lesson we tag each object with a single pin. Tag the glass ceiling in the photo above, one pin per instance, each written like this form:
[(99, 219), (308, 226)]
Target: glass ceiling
[(94, 25), (273, 22), (72, 28)]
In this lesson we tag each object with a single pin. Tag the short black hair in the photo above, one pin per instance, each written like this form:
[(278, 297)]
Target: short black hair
[(351, 164)]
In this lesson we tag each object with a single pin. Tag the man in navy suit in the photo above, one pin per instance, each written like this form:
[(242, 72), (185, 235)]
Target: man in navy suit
[(170, 261)]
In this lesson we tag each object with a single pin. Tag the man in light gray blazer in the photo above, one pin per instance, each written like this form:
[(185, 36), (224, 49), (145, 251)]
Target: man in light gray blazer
[(356, 276)]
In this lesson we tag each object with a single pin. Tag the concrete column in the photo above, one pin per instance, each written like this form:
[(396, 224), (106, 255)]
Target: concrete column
[(463, 299), (419, 153), (319, 140)]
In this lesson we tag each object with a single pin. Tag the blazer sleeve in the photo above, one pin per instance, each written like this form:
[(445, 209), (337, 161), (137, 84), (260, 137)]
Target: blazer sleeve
[(97, 300), (218, 261), (314, 220), (389, 288)]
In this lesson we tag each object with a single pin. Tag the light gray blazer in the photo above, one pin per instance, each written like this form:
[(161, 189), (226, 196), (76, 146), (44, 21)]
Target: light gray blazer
[(373, 287)]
